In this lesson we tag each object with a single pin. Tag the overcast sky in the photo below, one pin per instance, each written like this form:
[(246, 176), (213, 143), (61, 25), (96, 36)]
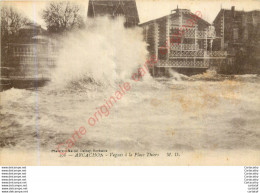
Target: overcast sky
[(150, 9)]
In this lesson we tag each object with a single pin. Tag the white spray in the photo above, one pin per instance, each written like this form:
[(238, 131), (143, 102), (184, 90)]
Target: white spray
[(104, 52)]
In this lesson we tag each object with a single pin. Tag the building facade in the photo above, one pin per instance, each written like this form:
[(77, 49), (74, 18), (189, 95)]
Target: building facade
[(238, 33), (181, 41), (29, 59)]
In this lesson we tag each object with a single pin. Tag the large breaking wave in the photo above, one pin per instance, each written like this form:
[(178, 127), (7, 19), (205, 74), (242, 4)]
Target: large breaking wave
[(104, 52)]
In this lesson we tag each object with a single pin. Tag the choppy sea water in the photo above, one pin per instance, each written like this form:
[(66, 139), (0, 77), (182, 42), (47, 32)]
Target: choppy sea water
[(202, 112)]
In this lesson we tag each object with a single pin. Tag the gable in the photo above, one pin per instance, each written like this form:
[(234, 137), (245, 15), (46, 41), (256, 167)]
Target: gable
[(119, 10), (113, 8)]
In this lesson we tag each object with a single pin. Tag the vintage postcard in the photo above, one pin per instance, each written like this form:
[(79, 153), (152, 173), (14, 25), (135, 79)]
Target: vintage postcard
[(130, 82)]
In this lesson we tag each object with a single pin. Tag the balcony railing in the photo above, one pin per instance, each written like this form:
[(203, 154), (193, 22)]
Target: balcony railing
[(183, 64), (185, 47), (192, 33), (199, 53)]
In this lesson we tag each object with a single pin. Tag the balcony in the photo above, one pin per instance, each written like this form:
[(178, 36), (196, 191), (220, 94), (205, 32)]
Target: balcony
[(199, 53), (193, 33), (183, 64), (181, 47)]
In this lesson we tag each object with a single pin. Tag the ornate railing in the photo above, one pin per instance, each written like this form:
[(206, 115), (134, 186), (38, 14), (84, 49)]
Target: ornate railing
[(199, 53), (191, 33), (185, 47), (183, 64), (186, 32), (201, 34), (206, 34)]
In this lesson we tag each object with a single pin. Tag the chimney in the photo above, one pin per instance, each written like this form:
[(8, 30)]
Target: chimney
[(233, 11)]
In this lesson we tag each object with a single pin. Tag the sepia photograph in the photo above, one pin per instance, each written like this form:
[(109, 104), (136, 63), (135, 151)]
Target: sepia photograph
[(130, 82)]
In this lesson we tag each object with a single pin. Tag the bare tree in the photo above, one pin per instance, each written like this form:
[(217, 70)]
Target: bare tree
[(11, 22), (62, 16)]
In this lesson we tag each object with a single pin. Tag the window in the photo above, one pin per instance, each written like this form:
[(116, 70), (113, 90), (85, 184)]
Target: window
[(235, 34)]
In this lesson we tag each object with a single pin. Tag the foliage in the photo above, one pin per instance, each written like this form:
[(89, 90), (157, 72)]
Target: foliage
[(62, 16)]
